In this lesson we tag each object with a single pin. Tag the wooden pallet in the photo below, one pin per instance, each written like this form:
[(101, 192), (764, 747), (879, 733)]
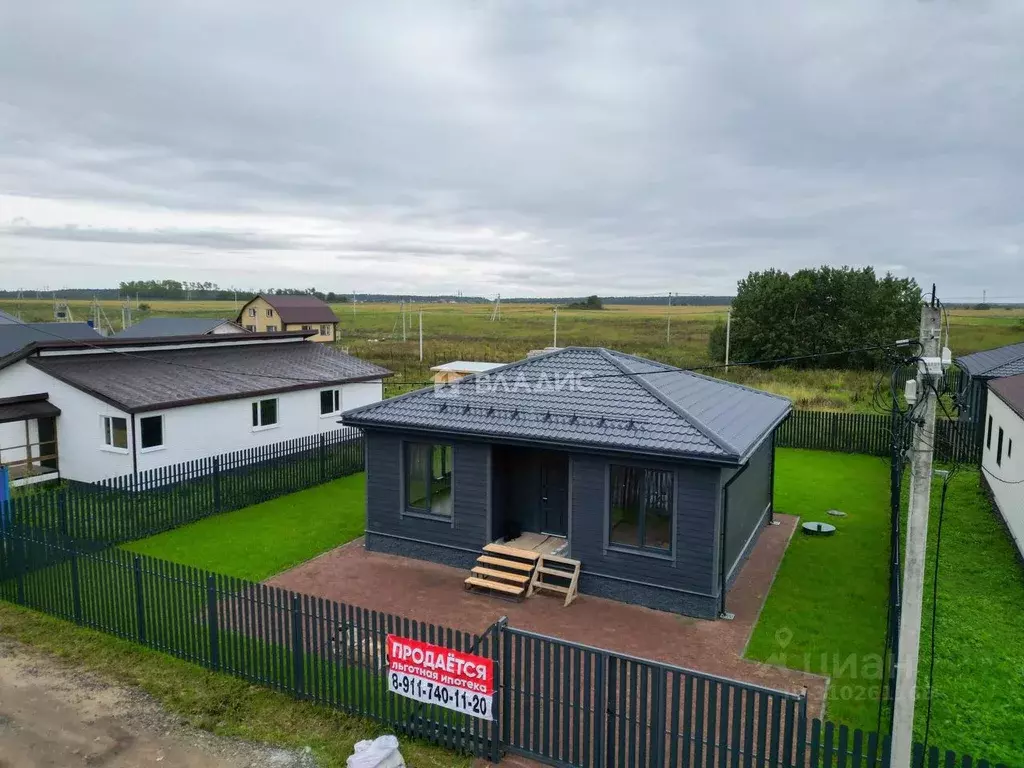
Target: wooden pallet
[(556, 574), (504, 571)]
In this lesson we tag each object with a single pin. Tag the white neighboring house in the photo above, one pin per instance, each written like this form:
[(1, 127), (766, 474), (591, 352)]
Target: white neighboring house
[(115, 407), (1003, 455)]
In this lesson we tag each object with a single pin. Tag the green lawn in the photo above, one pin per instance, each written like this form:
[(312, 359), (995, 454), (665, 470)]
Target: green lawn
[(259, 541), (826, 610)]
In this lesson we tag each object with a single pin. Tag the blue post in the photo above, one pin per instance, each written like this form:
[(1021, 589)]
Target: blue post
[(5, 499)]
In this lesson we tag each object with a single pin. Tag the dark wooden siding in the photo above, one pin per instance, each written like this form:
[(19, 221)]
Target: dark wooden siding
[(384, 514), (697, 498), (749, 496)]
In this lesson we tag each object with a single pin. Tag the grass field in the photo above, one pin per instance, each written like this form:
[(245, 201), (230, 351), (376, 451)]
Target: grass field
[(466, 332), (259, 541), (826, 611)]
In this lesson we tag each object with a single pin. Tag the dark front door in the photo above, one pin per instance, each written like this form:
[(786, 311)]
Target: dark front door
[(48, 442), (554, 493)]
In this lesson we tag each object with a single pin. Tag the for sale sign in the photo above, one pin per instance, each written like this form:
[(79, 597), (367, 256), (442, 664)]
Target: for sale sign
[(434, 674)]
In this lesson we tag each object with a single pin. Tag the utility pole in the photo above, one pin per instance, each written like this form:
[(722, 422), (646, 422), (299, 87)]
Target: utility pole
[(668, 324), (403, 321), (728, 334), (555, 342), (421, 335), (496, 312), (929, 373)]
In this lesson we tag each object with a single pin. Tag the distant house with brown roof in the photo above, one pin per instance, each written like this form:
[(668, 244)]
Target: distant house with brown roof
[(293, 312)]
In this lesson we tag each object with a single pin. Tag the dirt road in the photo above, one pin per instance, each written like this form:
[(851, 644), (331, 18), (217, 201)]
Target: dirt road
[(55, 715)]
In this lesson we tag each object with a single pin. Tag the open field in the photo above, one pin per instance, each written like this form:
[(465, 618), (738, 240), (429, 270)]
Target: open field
[(466, 331)]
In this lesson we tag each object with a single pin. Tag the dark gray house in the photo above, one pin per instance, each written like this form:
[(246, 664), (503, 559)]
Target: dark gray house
[(980, 368), (660, 479)]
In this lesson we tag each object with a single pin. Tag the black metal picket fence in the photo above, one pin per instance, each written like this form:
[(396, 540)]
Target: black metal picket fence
[(561, 703), (870, 433), (133, 506)]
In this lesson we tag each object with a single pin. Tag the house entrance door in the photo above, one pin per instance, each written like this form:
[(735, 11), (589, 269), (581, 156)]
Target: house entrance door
[(554, 493)]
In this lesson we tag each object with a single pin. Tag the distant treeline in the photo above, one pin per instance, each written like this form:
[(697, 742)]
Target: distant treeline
[(185, 290)]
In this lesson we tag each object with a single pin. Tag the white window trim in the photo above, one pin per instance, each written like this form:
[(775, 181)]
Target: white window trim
[(337, 411), (163, 435), (277, 412), (252, 311), (103, 435)]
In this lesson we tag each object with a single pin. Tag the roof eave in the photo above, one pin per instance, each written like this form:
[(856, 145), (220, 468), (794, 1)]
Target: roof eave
[(723, 461)]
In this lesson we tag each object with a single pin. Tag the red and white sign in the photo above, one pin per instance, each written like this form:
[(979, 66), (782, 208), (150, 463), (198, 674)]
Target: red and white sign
[(434, 674)]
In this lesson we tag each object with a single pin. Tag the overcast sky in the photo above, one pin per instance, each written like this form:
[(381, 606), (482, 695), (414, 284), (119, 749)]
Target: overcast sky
[(520, 147)]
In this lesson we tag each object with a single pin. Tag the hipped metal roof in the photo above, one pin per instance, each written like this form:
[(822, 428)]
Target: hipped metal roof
[(994, 363), (591, 396)]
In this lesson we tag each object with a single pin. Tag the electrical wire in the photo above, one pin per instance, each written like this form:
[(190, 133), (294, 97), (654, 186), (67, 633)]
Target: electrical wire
[(935, 607)]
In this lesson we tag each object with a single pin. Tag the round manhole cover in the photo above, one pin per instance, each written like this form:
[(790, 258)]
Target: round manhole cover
[(818, 529)]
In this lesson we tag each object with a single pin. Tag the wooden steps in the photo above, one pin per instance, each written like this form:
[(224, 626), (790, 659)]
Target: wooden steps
[(502, 570), (556, 574)]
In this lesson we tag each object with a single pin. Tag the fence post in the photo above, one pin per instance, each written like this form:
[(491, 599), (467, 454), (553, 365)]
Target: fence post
[(501, 653), (216, 485), (297, 661), (62, 511), (21, 568), (76, 587), (211, 621), (140, 607)]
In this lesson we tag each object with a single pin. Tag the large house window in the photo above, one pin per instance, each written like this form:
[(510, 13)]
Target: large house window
[(640, 508), (428, 479), (264, 413), (115, 432), (330, 402), (250, 327), (270, 313), (252, 311), (999, 449), (151, 432), (325, 330), (271, 328)]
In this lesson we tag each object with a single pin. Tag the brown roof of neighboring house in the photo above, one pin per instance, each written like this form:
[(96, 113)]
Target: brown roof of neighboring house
[(299, 308), (152, 379), (1011, 391)]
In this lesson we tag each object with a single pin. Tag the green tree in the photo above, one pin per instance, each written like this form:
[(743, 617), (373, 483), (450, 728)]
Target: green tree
[(814, 311)]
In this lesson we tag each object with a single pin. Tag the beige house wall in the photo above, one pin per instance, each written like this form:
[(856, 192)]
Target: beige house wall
[(257, 315)]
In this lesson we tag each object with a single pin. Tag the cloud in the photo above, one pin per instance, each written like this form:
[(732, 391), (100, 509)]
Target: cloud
[(537, 147)]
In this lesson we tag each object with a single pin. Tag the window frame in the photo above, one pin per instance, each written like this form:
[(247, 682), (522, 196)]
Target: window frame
[(107, 430), (270, 312), (428, 513), (325, 329), (988, 438), (251, 328), (271, 329), (336, 402), (256, 414), (142, 431), (668, 555), (252, 312), (999, 448)]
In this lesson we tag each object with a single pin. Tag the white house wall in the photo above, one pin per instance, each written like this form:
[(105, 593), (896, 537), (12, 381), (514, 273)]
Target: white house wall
[(190, 432), (1008, 493), (209, 429), (81, 453)]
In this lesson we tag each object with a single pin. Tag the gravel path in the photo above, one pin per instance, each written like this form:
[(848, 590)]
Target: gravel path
[(53, 714)]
